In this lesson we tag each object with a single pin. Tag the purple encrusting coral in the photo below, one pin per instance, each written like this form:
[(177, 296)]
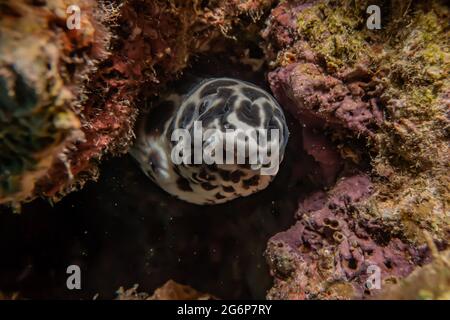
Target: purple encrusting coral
[(319, 100), (327, 252)]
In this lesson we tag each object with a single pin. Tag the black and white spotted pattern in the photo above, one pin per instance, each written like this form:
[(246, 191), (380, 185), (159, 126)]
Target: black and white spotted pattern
[(220, 103)]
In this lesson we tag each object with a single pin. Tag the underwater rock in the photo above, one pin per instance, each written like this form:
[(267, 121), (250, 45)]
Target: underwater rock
[(379, 96), (171, 290), (82, 85), (41, 69), (319, 100), (325, 255), (424, 283)]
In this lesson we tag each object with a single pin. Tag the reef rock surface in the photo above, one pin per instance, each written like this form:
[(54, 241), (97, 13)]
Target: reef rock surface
[(378, 97), (69, 97)]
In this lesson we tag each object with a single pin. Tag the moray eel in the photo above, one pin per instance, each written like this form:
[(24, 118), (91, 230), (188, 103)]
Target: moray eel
[(222, 104)]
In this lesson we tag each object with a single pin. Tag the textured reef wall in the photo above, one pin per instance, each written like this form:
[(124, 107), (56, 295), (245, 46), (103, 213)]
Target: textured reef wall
[(385, 91), (41, 70), (70, 97), (429, 282), (372, 105)]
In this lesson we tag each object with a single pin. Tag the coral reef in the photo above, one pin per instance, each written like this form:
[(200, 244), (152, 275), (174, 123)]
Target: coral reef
[(429, 282), (41, 69), (72, 96), (380, 97), (326, 253), (367, 164)]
